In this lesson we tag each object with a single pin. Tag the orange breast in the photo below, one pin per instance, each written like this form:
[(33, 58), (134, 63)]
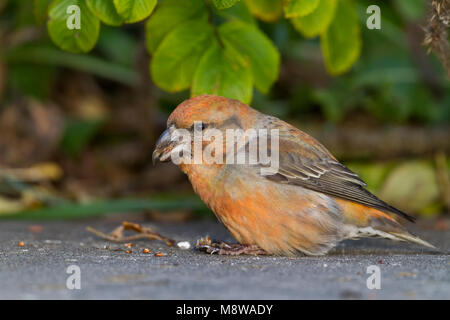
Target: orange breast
[(281, 219)]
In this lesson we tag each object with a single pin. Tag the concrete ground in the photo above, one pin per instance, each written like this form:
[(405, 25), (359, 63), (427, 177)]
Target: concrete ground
[(38, 270)]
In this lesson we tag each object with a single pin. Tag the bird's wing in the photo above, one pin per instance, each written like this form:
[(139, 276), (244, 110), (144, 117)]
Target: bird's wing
[(305, 162)]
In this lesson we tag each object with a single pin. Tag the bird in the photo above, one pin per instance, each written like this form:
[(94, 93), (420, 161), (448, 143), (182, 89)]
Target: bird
[(310, 204)]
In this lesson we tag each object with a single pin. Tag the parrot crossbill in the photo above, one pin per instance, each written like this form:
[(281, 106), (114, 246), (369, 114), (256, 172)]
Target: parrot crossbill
[(308, 206)]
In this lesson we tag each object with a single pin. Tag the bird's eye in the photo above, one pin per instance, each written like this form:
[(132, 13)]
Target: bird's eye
[(198, 125)]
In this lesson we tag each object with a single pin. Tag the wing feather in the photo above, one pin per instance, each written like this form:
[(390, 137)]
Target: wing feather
[(311, 166)]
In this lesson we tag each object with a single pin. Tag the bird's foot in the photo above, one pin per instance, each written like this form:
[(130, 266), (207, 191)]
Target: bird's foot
[(230, 249)]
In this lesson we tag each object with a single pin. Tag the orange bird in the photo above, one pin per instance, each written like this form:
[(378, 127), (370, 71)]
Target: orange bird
[(308, 206)]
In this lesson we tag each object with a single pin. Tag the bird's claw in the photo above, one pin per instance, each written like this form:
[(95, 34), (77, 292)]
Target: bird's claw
[(223, 248), (207, 245)]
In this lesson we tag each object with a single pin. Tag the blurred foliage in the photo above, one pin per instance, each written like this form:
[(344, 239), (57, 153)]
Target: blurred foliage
[(186, 38), (419, 188), (411, 186), (77, 134), (284, 56), (390, 80), (70, 210)]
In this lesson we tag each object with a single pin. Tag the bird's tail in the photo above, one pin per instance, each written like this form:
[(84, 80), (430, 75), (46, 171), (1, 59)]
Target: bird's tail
[(397, 235), (371, 222), (412, 238)]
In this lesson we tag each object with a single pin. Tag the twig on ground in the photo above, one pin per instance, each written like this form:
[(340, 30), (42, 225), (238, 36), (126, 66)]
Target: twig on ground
[(144, 233)]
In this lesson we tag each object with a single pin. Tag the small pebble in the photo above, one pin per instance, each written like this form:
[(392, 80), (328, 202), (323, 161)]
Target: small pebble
[(184, 245), (35, 228), (53, 241)]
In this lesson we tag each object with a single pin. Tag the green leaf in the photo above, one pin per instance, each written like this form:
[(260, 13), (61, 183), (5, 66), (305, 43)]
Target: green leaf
[(176, 59), (317, 21), (262, 55), (266, 10), (75, 40), (40, 10), (300, 8), (221, 71), (224, 4), (134, 10), (169, 15), (238, 11), (105, 11), (341, 43)]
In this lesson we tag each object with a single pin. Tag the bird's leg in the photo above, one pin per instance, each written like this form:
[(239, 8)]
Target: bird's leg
[(231, 249)]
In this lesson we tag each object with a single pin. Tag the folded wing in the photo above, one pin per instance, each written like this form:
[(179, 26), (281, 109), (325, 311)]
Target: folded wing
[(311, 166)]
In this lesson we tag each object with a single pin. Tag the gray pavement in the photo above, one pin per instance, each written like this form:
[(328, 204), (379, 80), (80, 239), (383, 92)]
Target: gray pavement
[(38, 269)]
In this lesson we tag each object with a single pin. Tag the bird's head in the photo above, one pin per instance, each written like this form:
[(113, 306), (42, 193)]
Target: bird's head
[(206, 112)]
